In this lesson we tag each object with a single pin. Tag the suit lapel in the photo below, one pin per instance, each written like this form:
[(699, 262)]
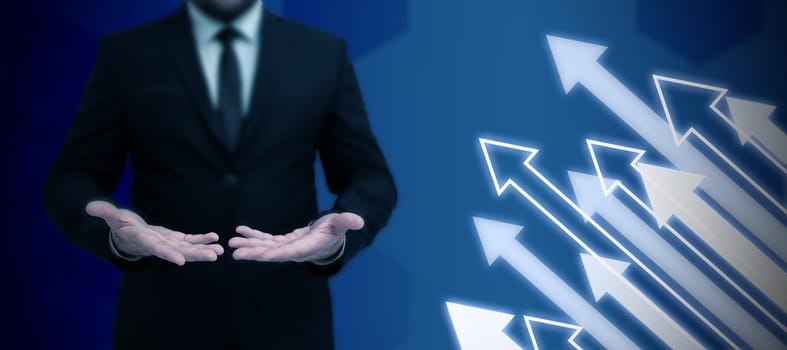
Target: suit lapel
[(182, 49), (269, 67)]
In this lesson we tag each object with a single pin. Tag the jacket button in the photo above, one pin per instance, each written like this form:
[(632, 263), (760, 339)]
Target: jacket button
[(230, 180)]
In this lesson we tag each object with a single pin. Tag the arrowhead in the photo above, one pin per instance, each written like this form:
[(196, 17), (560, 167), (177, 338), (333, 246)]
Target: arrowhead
[(495, 236), (480, 329), (666, 187), (601, 278), (558, 329), (749, 116), (686, 104), (504, 158), (588, 191), (574, 59), (620, 161)]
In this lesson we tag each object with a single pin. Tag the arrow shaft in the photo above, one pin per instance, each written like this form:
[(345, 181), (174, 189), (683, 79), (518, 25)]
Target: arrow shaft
[(650, 243), (560, 293), (577, 211), (637, 115), (653, 318), (772, 138), (731, 245)]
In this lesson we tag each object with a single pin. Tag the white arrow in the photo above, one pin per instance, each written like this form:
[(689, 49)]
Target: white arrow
[(577, 62), (529, 320), (501, 184), (592, 199), (480, 329), (592, 204), (752, 120), (603, 281), (680, 139), (499, 241), (671, 192)]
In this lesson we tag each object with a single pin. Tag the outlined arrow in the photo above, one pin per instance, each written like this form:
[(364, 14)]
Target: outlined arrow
[(498, 240), (529, 320), (593, 200), (671, 193), (501, 184), (577, 63), (480, 329), (741, 107), (610, 185), (603, 282), (753, 124)]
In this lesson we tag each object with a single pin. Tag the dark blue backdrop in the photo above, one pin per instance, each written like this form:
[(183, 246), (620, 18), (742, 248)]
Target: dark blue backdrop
[(436, 75)]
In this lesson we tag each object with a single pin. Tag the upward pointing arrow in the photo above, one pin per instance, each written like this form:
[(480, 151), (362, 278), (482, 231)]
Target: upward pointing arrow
[(533, 178), (603, 281), (499, 241), (591, 198), (671, 192), (531, 320), (752, 120), (577, 63), (681, 133), (480, 329)]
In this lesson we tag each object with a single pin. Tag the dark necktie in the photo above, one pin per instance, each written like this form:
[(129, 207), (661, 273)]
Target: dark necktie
[(230, 109)]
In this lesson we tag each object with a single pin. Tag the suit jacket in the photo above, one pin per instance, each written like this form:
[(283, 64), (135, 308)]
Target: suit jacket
[(147, 101)]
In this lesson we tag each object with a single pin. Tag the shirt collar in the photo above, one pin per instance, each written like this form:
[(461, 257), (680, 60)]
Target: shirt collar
[(205, 27)]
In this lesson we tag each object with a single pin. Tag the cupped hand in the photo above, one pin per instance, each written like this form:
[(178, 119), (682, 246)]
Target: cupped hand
[(133, 236), (323, 238)]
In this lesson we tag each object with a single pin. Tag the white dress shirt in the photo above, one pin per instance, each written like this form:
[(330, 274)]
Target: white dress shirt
[(209, 47)]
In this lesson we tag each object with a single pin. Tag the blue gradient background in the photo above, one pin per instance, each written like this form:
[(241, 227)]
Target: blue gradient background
[(436, 75)]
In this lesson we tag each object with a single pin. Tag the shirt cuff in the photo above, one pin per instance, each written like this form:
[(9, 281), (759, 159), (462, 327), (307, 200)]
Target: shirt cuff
[(118, 254), (331, 259)]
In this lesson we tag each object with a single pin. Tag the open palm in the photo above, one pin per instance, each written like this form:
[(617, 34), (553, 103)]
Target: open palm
[(315, 242)]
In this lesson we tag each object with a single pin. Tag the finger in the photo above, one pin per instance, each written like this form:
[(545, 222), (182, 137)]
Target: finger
[(237, 242), (349, 221), (252, 233), (204, 238), (169, 234), (179, 245), (102, 209), (216, 248), (249, 253), (193, 253), (166, 252)]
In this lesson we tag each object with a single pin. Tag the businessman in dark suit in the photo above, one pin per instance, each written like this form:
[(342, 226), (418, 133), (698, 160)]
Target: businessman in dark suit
[(221, 108)]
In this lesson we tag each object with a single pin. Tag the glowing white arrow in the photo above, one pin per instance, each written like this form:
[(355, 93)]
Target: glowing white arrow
[(742, 107), (577, 63), (490, 147), (609, 186), (671, 192), (602, 282), (499, 241), (480, 329), (752, 121), (592, 199), (530, 320)]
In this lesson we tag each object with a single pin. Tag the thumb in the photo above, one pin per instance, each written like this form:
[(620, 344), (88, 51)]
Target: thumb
[(349, 220), (102, 209)]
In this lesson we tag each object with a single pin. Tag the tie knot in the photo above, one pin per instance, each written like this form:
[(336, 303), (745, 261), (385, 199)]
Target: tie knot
[(227, 35)]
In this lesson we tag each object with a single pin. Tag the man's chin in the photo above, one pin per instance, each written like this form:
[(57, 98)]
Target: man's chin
[(224, 10)]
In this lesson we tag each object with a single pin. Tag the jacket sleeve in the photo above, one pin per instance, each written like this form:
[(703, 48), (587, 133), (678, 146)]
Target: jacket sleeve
[(89, 164), (355, 168)]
